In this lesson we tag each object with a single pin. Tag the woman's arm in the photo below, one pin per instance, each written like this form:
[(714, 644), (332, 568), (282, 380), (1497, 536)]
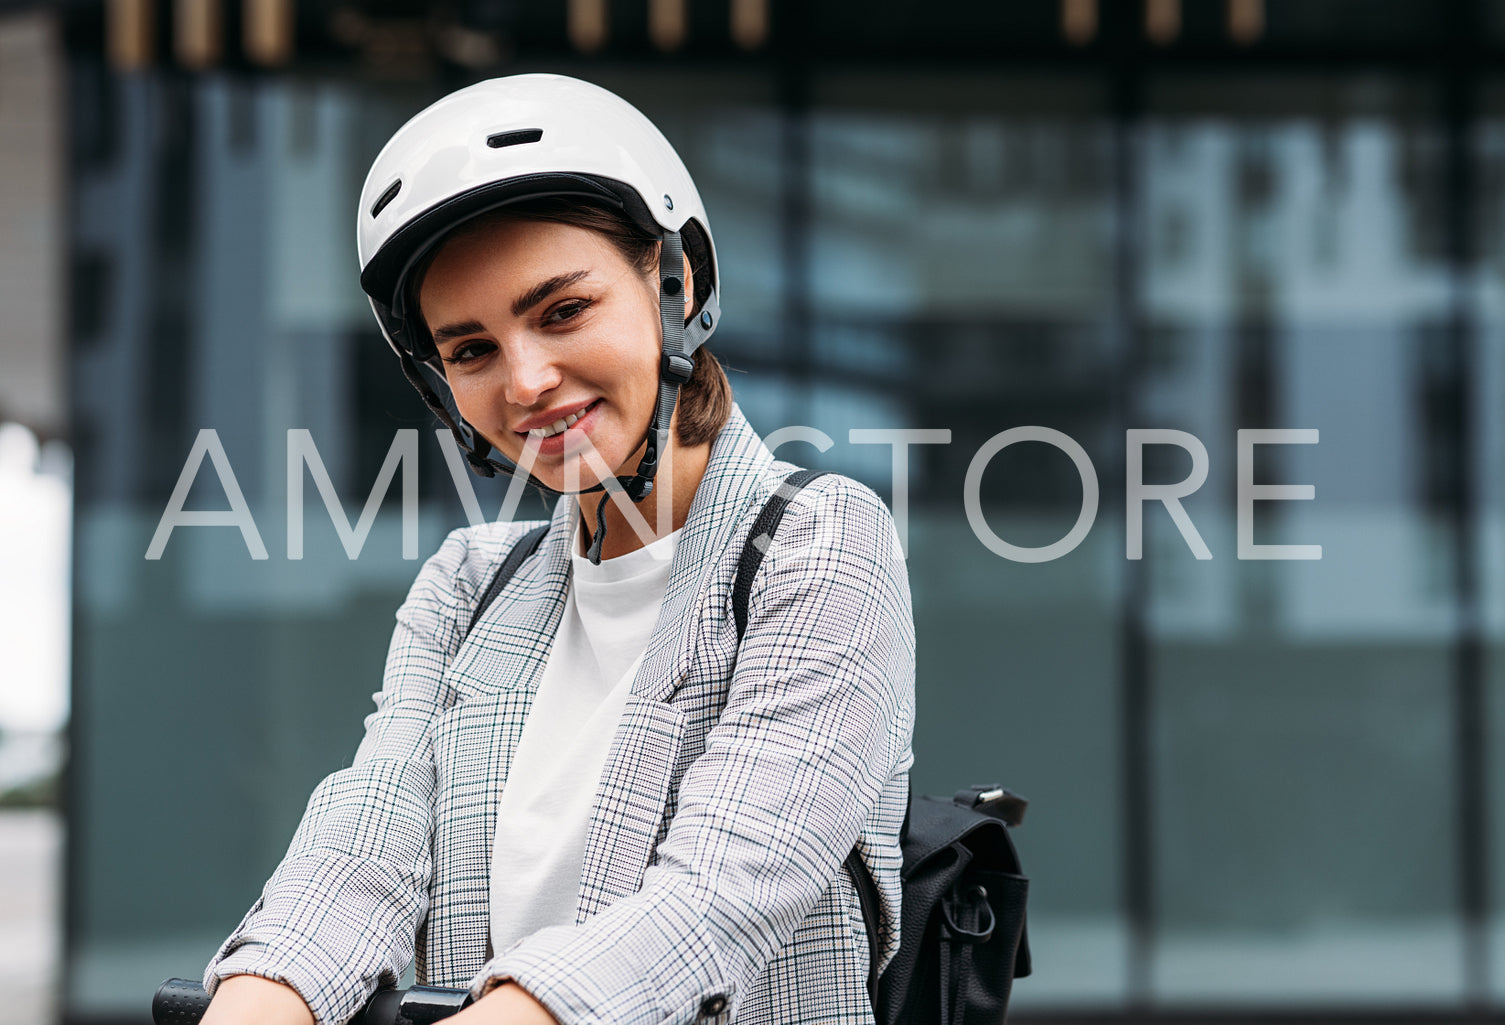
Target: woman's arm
[(339, 915), (250, 998), (817, 720), (508, 1004)]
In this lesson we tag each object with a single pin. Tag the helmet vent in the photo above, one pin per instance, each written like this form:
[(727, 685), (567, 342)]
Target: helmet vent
[(386, 197), (516, 138)]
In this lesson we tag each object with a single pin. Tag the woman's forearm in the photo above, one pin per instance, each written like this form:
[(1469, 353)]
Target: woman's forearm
[(253, 1000), (507, 1004)]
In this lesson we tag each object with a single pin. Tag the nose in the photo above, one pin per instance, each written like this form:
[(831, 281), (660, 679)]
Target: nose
[(529, 373)]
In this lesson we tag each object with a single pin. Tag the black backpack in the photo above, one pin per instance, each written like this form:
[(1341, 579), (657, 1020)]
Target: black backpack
[(962, 940), (962, 934)]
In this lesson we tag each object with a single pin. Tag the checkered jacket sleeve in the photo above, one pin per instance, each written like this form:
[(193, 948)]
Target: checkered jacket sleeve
[(818, 719), (363, 845)]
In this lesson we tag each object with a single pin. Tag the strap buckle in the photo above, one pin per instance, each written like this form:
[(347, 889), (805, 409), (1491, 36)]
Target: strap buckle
[(675, 367)]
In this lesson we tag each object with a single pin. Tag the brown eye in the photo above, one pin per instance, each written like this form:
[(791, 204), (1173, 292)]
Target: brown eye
[(567, 310), (467, 352)]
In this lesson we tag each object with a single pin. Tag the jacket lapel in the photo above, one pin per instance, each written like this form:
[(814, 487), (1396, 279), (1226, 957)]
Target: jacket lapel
[(496, 673), (739, 461), (509, 647)]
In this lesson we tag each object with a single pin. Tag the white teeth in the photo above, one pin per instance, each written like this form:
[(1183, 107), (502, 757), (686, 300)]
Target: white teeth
[(557, 426)]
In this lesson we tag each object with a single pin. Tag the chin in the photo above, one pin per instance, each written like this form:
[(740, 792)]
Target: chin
[(556, 478), (559, 471)]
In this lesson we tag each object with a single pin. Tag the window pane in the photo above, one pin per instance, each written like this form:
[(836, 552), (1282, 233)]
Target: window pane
[(1295, 278)]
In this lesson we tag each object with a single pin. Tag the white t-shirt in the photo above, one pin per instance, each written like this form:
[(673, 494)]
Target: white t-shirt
[(543, 814)]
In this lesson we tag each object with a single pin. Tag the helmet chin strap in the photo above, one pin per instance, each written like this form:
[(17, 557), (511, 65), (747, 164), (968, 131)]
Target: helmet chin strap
[(675, 368)]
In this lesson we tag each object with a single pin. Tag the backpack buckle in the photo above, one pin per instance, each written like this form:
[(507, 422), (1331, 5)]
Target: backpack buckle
[(997, 801)]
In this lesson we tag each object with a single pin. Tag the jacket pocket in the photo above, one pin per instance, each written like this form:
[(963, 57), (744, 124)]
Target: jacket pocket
[(474, 742), (641, 772)]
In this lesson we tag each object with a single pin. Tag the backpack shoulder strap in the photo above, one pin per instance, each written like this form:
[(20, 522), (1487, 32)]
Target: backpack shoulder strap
[(759, 539), (867, 899), (521, 549)]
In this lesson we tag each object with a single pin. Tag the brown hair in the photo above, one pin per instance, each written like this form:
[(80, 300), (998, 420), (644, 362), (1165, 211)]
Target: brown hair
[(705, 400)]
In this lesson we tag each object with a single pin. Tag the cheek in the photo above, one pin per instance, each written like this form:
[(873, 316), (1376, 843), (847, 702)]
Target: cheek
[(629, 361), (641, 369)]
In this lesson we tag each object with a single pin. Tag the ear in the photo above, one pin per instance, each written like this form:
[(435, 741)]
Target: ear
[(690, 308)]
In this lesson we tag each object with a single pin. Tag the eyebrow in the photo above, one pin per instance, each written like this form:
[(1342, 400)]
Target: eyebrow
[(522, 304), (541, 291), (449, 331)]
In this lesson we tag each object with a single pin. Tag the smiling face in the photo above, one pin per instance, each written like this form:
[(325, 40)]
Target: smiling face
[(550, 339)]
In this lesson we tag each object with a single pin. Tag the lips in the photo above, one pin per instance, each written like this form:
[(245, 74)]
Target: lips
[(555, 421), (557, 427), (550, 440)]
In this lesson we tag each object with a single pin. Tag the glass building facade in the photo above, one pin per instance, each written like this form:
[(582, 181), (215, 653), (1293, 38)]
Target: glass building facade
[(1259, 787)]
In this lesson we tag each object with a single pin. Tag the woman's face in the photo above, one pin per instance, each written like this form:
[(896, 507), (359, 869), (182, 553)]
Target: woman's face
[(550, 340)]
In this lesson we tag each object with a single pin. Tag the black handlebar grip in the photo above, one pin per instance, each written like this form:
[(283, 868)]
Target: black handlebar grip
[(179, 1002), (384, 1008), (424, 1005)]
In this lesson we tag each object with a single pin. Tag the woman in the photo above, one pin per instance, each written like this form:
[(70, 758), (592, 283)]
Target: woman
[(596, 804)]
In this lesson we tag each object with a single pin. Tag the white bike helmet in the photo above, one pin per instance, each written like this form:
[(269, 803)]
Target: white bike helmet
[(519, 138)]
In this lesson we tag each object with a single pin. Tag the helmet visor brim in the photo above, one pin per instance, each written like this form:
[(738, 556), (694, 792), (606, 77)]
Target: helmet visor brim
[(385, 276)]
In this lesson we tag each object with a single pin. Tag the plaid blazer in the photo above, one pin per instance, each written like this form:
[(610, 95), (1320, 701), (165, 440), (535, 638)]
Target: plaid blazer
[(737, 782)]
